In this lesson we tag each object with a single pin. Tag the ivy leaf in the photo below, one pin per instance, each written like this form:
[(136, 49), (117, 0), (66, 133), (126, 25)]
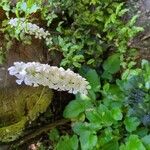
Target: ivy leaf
[(76, 107), (54, 135), (105, 115), (112, 64), (112, 145), (88, 140), (133, 143), (93, 79), (94, 116), (80, 127), (107, 75), (68, 143), (146, 141), (131, 123), (116, 113)]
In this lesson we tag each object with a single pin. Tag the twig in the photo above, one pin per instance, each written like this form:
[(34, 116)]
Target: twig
[(38, 132), (145, 37)]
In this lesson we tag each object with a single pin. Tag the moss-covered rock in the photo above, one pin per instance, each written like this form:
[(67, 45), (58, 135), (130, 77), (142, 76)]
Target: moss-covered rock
[(19, 106)]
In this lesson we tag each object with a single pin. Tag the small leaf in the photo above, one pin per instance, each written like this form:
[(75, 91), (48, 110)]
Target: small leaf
[(91, 61), (68, 143), (33, 9), (93, 79), (88, 140), (24, 6), (131, 123), (105, 115), (133, 143), (146, 141), (80, 127), (76, 107), (53, 135), (112, 145), (112, 64), (119, 7), (107, 75), (116, 113), (133, 20)]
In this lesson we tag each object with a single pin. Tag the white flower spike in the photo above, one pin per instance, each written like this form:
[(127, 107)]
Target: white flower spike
[(35, 73), (31, 29)]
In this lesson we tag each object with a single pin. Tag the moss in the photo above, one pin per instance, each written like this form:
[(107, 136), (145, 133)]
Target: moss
[(11, 132), (20, 106), (41, 104)]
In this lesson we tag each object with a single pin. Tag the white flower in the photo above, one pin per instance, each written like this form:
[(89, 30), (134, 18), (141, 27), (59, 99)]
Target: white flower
[(32, 29), (35, 73)]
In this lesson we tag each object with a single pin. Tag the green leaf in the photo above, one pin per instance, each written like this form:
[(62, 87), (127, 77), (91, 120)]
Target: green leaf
[(76, 107), (131, 123), (94, 116), (112, 145), (105, 115), (81, 127), (146, 141), (30, 2), (107, 75), (90, 61), (23, 6), (67, 143), (113, 18), (33, 9), (53, 135), (112, 64), (76, 64), (119, 7), (116, 113), (133, 143), (88, 140), (6, 7), (133, 20), (122, 12), (93, 79)]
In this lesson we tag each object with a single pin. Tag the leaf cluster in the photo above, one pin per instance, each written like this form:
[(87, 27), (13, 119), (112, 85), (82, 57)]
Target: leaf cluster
[(85, 32), (108, 120)]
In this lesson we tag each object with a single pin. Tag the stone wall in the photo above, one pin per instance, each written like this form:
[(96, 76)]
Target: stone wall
[(141, 42)]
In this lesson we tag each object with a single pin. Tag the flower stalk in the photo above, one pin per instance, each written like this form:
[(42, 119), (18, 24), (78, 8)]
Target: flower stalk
[(35, 74), (31, 29)]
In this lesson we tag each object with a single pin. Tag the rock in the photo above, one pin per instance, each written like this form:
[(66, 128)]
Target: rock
[(18, 107), (142, 41)]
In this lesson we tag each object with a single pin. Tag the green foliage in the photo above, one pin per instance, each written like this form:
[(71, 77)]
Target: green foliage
[(82, 31), (76, 107), (54, 135), (109, 122), (131, 123), (111, 66), (67, 143), (133, 142), (95, 84), (146, 141)]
